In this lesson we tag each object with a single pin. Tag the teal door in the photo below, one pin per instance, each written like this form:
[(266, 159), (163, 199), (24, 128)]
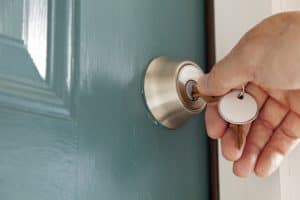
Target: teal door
[(73, 122)]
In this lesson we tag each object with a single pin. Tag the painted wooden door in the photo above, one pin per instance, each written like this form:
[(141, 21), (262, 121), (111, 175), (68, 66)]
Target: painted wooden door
[(73, 123)]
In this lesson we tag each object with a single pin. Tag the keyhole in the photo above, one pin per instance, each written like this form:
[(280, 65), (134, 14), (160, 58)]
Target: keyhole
[(189, 90)]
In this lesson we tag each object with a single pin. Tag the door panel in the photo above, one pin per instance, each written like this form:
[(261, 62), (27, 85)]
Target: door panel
[(78, 127), (23, 33), (36, 53), (39, 157)]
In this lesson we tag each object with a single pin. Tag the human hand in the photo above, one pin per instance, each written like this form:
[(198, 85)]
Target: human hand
[(267, 61)]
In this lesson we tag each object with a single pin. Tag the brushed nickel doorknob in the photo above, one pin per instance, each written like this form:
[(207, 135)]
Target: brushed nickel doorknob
[(168, 85)]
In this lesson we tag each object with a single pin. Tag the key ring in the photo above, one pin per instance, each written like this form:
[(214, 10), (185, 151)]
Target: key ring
[(241, 94)]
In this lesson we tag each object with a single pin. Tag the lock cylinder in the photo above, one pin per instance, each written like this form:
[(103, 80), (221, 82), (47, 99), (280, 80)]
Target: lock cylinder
[(168, 87)]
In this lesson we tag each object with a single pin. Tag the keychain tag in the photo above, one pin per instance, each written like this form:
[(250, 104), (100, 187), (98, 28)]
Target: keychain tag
[(238, 109)]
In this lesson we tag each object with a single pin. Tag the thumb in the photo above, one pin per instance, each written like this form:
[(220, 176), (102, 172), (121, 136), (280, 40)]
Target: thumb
[(226, 75)]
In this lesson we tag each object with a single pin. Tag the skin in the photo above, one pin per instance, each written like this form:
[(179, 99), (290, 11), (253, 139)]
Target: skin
[(267, 61)]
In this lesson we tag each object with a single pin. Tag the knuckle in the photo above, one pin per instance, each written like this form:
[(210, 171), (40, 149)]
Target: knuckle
[(265, 121), (277, 149), (287, 133), (254, 146), (291, 126)]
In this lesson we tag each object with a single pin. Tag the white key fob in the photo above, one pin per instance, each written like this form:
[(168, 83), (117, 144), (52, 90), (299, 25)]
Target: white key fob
[(237, 109)]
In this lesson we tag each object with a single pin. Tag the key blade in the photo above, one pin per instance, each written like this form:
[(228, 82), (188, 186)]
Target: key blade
[(237, 128), (240, 136), (197, 94)]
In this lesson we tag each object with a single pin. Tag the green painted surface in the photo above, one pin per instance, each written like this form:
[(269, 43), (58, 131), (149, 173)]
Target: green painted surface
[(110, 148)]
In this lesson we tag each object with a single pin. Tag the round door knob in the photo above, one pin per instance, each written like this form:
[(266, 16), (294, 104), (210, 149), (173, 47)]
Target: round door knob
[(167, 88)]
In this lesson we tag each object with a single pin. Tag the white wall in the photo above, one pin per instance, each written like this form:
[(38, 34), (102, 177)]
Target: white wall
[(290, 177), (284, 5), (232, 19)]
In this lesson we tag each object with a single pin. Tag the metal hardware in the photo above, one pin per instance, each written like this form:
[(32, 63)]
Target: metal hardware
[(167, 88)]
